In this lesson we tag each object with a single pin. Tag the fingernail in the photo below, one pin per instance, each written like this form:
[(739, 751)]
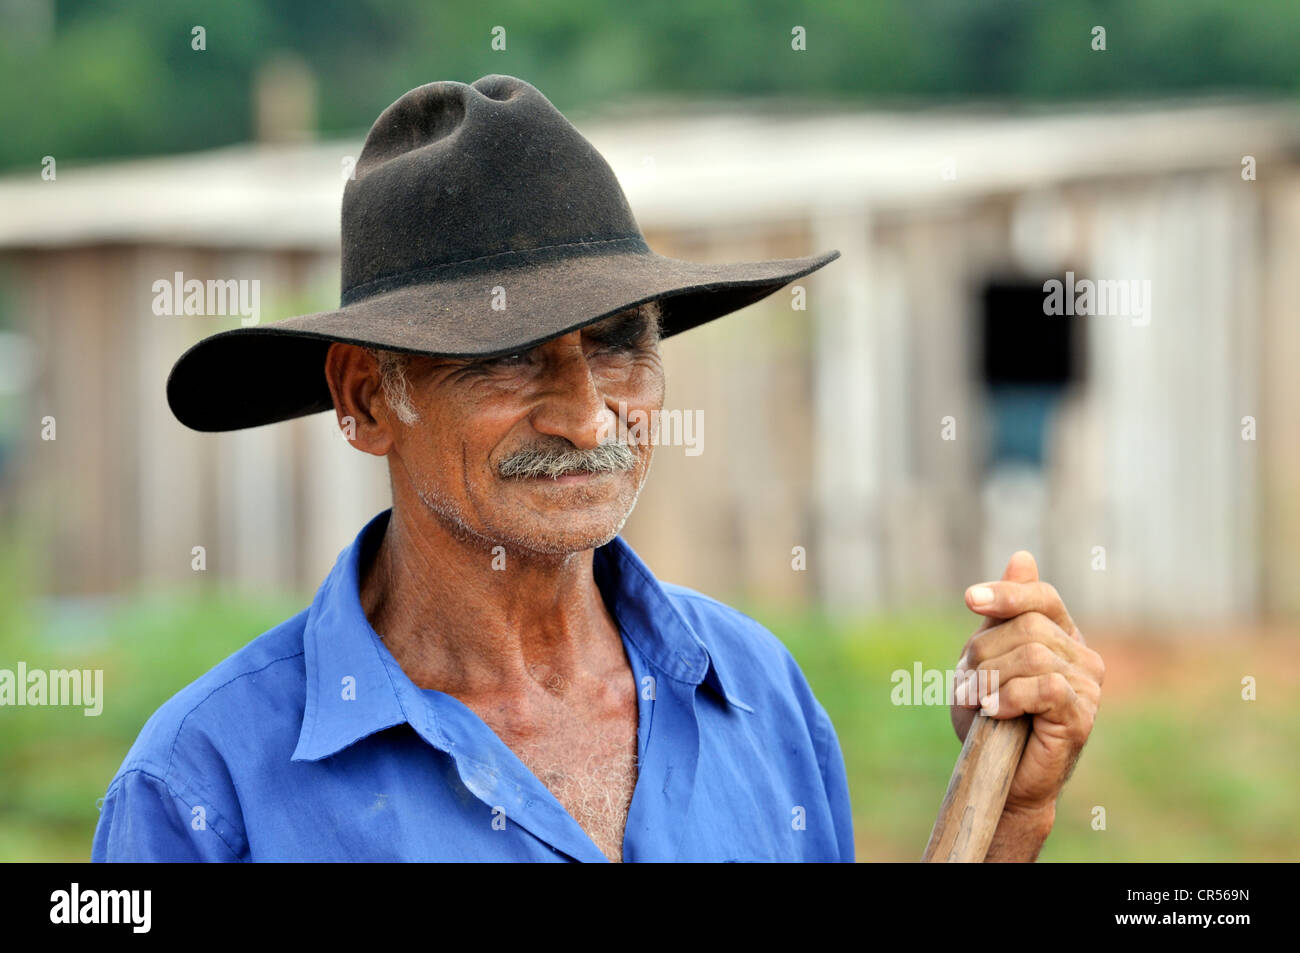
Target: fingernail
[(981, 595), (989, 704), (963, 664)]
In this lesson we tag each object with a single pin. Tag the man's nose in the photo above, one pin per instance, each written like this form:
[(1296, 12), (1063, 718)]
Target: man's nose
[(571, 404)]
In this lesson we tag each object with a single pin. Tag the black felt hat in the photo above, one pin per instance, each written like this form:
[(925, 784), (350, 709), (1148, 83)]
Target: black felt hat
[(461, 190)]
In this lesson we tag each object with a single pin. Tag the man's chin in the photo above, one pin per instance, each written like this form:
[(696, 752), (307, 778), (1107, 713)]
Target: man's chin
[(545, 541), (560, 530)]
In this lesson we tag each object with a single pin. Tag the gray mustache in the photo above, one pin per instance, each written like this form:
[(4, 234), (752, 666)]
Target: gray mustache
[(552, 462)]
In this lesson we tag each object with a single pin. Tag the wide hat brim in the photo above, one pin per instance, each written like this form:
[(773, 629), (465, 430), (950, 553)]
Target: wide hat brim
[(451, 314)]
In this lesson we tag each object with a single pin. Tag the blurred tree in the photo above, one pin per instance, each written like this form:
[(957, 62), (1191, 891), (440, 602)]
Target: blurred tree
[(90, 79)]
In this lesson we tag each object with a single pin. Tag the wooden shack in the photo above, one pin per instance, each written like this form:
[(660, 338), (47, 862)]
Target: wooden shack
[(851, 428)]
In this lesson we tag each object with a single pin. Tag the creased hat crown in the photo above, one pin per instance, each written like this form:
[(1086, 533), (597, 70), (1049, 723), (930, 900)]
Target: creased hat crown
[(456, 177)]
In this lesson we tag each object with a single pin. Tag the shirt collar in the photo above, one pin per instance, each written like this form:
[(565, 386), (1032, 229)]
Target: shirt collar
[(652, 621), (354, 686), (351, 689)]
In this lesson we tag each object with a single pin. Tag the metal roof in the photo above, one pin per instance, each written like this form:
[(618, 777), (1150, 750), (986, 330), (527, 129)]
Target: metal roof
[(679, 171)]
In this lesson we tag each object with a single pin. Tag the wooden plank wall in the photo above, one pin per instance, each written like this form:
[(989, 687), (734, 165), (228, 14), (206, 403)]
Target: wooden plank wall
[(821, 427)]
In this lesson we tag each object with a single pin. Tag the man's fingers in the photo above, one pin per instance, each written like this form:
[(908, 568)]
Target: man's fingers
[(1031, 627), (1050, 695), (1005, 600), (1021, 567), (1030, 644), (1028, 658)]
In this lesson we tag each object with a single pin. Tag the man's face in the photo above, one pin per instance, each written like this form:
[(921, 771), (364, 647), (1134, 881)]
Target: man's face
[(568, 395)]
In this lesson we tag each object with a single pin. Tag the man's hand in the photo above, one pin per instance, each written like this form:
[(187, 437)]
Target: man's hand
[(1043, 668)]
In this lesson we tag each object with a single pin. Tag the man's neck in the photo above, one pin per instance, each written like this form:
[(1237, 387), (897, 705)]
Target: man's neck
[(462, 619)]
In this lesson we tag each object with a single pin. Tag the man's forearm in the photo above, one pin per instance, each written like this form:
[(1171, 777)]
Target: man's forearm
[(1020, 835)]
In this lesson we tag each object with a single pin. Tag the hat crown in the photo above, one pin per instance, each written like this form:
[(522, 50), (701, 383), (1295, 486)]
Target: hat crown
[(455, 177)]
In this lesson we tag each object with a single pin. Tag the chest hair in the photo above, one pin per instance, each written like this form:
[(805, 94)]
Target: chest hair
[(592, 774)]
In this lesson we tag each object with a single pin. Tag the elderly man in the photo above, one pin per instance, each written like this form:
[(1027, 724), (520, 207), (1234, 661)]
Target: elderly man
[(490, 672)]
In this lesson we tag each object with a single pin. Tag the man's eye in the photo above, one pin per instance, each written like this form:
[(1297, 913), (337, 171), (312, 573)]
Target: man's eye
[(619, 343)]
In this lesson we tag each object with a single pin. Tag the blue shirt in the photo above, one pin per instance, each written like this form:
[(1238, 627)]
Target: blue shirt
[(312, 744)]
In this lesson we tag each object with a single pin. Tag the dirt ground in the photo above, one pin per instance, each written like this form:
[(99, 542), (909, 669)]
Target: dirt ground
[(1195, 658)]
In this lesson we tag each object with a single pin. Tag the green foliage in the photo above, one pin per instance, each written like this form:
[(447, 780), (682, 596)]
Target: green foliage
[(122, 79), (55, 763), (1182, 776)]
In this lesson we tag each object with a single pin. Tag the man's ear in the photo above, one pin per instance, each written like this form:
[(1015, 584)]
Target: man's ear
[(355, 384)]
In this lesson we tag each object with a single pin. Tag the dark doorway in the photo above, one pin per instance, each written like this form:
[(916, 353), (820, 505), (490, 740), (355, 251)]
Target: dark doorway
[(1027, 361)]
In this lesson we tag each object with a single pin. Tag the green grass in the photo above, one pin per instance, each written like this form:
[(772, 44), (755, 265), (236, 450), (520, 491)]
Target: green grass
[(1182, 775), (55, 763), (1181, 778)]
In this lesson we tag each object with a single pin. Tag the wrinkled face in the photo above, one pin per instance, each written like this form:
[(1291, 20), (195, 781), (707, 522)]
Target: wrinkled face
[(491, 434)]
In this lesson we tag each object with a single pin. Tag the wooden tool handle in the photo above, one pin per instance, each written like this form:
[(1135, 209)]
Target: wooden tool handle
[(978, 790)]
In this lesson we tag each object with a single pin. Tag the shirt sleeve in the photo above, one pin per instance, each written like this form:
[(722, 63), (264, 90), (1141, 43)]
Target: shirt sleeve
[(835, 778), (142, 819)]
